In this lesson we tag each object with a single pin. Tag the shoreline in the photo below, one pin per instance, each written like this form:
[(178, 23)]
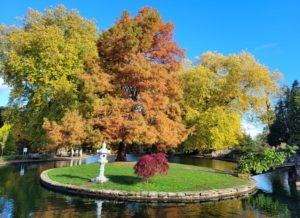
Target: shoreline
[(150, 196), (57, 158), (5, 163)]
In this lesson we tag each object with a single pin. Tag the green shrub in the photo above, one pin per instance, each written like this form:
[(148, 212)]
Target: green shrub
[(7, 142), (11, 157), (11, 147), (259, 162)]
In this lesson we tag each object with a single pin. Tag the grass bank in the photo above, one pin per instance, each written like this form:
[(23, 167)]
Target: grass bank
[(121, 177)]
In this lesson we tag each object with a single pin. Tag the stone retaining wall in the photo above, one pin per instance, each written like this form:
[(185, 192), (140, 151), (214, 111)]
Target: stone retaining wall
[(151, 196)]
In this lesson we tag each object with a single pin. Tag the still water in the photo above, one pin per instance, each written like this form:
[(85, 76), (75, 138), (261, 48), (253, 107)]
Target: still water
[(21, 195)]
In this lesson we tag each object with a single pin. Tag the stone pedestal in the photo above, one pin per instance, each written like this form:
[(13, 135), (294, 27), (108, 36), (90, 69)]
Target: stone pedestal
[(103, 152)]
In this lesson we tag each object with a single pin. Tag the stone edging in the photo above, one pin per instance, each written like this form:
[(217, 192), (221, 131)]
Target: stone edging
[(151, 196)]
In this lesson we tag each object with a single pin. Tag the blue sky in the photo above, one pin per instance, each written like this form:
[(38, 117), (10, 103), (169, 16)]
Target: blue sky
[(269, 29)]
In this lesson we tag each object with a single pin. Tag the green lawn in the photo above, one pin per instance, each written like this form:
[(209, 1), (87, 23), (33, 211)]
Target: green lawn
[(179, 178)]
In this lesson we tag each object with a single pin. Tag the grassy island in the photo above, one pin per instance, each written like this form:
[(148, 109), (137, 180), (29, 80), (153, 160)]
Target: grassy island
[(121, 177)]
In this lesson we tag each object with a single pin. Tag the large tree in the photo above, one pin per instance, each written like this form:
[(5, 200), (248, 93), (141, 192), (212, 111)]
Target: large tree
[(143, 109), (293, 114), (218, 91), (1, 116), (278, 131), (43, 61)]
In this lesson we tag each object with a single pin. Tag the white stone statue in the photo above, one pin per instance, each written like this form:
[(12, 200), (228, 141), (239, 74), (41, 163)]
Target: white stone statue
[(103, 152)]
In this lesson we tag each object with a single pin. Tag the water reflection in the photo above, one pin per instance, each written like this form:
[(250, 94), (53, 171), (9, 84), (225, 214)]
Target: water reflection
[(214, 164), (277, 183), (22, 196), (99, 208), (75, 162), (269, 205), (22, 170)]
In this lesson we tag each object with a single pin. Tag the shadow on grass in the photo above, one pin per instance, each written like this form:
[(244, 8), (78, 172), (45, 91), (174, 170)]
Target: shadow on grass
[(72, 177), (125, 180)]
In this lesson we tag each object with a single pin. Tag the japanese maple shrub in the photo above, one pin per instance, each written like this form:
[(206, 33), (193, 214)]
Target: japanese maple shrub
[(150, 165)]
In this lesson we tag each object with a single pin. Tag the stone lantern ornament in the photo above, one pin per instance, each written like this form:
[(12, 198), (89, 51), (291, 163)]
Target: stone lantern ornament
[(103, 152)]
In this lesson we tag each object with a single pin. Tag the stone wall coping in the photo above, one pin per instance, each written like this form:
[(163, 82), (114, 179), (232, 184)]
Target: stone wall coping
[(151, 196)]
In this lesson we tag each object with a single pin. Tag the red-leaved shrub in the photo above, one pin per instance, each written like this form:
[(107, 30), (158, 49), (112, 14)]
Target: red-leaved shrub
[(162, 163), (151, 164)]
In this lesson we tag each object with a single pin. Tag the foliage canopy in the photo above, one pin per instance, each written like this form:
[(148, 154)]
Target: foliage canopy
[(42, 61), (218, 91)]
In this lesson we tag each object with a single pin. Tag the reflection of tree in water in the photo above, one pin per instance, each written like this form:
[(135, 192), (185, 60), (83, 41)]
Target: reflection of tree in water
[(77, 208), (24, 195), (284, 194), (228, 208), (214, 164), (23, 190), (279, 182), (269, 205)]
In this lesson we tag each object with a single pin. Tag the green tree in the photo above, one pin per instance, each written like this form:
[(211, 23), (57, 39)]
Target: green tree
[(278, 130), (218, 92), (1, 116), (43, 61), (293, 114), (4, 134)]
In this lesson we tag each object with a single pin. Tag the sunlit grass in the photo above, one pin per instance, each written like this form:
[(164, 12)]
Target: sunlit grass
[(121, 177)]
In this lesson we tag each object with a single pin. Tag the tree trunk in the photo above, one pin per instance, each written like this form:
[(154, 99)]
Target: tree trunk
[(121, 152)]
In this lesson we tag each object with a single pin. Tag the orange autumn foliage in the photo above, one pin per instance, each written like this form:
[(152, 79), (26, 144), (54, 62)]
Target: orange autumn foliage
[(143, 108), (128, 95), (67, 133)]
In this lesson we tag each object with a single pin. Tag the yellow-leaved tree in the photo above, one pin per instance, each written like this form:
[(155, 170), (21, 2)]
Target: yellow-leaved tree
[(218, 92), (49, 62)]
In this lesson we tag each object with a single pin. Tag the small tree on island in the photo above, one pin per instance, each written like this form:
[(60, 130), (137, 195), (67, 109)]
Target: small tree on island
[(150, 165)]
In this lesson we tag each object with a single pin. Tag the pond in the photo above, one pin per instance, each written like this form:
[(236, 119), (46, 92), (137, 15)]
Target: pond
[(21, 195)]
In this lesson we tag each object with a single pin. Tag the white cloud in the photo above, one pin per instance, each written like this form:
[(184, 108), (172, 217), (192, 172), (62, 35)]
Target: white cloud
[(266, 46), (252, 129)]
